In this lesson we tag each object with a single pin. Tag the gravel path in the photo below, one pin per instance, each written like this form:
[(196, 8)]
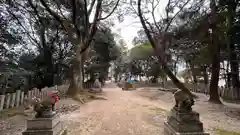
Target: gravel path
[(140, 112), (122, 113)]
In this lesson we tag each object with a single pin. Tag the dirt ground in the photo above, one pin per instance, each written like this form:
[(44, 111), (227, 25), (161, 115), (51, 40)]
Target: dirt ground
[(139, 112)]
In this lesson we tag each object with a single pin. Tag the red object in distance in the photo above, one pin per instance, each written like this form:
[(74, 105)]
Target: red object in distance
[(54, 96)]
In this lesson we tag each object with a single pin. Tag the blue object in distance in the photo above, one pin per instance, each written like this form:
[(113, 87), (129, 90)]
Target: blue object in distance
[(131, 81)]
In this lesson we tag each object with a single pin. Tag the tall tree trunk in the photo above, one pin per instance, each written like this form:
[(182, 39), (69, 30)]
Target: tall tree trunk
[(81, 74), (73, 87), (205, 75), (76, 84), (231, 13), (47, 54), (214, 47)]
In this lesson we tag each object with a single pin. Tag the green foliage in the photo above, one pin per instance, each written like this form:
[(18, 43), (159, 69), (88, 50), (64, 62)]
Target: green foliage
[(104, 45), (141, 62), (104, 50), (142, 51)]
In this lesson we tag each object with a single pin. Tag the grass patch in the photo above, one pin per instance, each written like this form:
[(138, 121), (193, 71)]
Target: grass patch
[(225, 132)]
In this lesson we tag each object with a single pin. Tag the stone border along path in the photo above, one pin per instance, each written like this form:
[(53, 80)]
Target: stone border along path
[(140, 112)]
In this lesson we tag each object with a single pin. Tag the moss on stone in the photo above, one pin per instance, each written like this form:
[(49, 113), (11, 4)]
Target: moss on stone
[(225, 132)]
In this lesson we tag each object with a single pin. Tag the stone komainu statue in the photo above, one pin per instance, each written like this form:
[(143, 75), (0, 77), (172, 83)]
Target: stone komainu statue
[(183, 101), (44, 107)]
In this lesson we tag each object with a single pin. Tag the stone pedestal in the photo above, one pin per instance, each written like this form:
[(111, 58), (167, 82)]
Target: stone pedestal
[(183, 123), (45, 126)]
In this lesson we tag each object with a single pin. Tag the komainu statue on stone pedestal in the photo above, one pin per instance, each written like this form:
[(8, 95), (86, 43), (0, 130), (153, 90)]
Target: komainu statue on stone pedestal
[(43, 108), (183, 101)]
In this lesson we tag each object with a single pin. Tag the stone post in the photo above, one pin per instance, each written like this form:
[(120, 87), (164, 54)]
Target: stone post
[(13, 99), (29, 94), (45, 126), (7, 101), (43, 94), (40, 95), (32, 93), (2, 99), (22, 97), (38, 92), (18, 95)]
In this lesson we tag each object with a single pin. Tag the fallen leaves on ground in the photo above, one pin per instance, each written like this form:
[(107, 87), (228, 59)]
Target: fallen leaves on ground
[(64, 109)]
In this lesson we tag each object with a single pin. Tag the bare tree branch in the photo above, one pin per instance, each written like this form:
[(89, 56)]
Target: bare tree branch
[(93, 27), (59, 8), (55, 15), (74, 16), (55, 37), (161, 61), (86, 17), (35, 11), (170, 22), (19, 22), (42, 37), (153, 16), (65, 24), (167, 8), (114, 8)]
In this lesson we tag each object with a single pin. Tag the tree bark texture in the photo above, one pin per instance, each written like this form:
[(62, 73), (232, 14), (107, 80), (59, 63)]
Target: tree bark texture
[(214, 48)]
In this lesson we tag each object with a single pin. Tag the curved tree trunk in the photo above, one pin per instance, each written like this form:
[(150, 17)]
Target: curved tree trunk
[(165, 68), (76, 84), (214, 47)]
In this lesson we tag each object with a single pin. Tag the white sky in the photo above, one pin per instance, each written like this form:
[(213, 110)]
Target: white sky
[(128, 29), (130, 26)]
